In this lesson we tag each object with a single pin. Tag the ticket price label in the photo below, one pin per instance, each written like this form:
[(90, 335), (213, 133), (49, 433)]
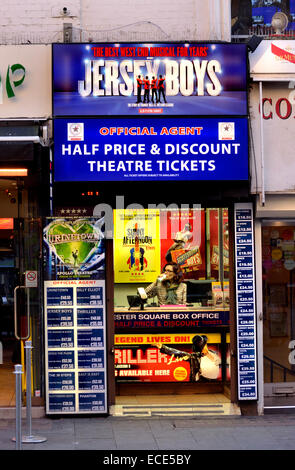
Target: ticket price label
[(245, 301)]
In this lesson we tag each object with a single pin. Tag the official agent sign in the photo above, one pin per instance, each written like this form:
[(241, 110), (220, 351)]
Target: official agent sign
[(133, 79), (151, 149)]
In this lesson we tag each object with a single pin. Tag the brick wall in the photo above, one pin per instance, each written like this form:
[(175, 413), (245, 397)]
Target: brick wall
[(41, 21)]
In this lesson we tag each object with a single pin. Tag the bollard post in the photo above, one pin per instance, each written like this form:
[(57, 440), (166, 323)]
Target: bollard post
[(18, 406), (29, 438)]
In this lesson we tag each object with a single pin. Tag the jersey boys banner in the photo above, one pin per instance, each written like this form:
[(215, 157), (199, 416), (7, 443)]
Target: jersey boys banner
[(151, 149), (133, 79), (136, 245)]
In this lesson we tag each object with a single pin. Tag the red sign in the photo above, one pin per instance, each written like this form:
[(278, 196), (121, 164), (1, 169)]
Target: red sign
[(149, 364)]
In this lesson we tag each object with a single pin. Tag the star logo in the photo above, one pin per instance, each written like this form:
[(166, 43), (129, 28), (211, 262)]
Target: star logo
[(76, 131)]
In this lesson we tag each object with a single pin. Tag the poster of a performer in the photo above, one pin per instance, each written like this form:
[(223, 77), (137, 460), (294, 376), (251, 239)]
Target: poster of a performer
[(139, 87), (161, 89), (154, 96), (146, 96)]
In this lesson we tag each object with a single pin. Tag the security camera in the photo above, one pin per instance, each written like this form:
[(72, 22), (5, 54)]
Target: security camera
[(65, 10)]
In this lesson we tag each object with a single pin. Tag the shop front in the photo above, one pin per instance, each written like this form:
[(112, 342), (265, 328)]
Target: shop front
[(24, 159), (273, 73), (164, 173)]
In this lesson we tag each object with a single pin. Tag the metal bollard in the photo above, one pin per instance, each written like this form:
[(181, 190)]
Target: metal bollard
[(18, 406), (29, 438)]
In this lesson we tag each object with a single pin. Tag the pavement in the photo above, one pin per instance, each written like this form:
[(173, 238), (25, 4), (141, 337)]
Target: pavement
[(110, 437)]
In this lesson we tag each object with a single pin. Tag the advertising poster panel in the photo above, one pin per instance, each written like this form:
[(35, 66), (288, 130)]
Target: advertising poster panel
[(75, 316), (166, 357), (215, 240), (136, 245), (139, 79), (183, 240), (74, 248)]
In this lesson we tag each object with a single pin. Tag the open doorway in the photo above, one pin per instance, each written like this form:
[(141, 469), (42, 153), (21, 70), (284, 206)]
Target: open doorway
[(20, 319), (8, 280)]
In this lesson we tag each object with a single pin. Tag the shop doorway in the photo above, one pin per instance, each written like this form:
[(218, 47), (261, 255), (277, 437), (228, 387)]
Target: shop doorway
[(278, 263), (20, 250)]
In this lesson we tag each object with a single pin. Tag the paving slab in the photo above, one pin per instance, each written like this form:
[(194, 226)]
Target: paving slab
[(113, 433)]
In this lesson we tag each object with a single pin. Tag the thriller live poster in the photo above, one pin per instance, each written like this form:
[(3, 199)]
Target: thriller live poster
[(136, 79), (139, 359)]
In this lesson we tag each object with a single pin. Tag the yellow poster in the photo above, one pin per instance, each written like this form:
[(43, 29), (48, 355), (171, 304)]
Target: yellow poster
[(136, 245)]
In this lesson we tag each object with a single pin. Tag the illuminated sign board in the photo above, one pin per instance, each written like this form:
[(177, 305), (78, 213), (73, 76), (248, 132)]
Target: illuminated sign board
[(151, 149), (166, 357), (140, 79), (6, 223)]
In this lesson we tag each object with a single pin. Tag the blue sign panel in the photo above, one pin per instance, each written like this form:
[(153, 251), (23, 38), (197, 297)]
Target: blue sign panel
[(61, 360), (91, 380), (90, 338), (61, 381), (60, 403), (90, 359), (90, 316), (207, 149), (60, 317), (89, 296), (60, 296), (140, 79), (60, 338), (91, 401), (245, 296)]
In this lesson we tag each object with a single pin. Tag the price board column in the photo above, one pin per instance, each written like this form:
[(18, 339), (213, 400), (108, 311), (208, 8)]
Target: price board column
[(75, 339), (245, 302)]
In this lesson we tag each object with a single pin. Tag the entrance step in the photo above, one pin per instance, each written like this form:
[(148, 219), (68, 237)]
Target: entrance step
[(9, 412), (146, 411)]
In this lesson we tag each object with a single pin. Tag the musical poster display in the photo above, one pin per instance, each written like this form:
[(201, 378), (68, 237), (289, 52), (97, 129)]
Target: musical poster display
[(75, 318), (136, 245)]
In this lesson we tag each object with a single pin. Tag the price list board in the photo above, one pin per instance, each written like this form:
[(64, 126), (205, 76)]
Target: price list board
[(75, 346), (245, 301)]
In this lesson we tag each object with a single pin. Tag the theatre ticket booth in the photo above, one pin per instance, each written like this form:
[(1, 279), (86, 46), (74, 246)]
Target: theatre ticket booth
[(162, 189)]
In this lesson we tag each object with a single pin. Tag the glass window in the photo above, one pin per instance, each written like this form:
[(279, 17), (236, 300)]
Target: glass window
[(196, 239), (171, 270)]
